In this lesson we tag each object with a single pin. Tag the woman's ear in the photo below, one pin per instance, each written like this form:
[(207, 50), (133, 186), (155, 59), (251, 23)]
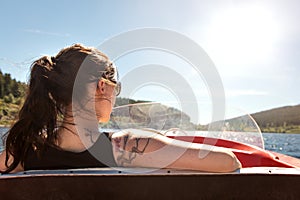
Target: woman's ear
[(101, 86)]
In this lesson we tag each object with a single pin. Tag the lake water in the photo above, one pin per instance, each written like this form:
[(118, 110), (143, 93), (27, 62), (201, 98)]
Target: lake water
[(288, 144)]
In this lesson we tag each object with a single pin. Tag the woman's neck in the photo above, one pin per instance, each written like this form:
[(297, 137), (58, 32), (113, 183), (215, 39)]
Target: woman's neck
[(68, 136)]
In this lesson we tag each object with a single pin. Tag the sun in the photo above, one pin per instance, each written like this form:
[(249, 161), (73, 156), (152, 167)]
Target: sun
[(242, 34)]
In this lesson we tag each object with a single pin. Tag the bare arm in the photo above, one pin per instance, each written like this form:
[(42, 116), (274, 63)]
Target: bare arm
[(3, 167), (134, 148)]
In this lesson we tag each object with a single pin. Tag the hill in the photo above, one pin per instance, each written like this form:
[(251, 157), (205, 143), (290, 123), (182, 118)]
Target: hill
[(284, 119), (278, 120), (148, 115)]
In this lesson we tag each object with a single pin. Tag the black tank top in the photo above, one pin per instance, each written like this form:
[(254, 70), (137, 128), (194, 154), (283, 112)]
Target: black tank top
[(98, 155)]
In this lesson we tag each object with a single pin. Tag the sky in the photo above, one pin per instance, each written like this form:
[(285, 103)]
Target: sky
[(255, 45)]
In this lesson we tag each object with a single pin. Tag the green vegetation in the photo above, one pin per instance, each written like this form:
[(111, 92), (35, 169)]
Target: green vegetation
[(281, 129), (12, 94), (11, 91), (8, 112), (279, 120)]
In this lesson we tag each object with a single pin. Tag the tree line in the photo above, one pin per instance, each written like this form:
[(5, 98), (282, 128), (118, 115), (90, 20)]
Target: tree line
[(12, 93), (11, 90)]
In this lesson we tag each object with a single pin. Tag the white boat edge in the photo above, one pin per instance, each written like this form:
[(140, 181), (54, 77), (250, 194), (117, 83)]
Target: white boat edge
[(147, 171)]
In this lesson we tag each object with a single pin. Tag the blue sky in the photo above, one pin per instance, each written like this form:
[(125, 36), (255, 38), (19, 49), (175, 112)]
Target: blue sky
[(255, 45)]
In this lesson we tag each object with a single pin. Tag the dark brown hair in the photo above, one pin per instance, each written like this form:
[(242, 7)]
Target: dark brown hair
[(50, 91)]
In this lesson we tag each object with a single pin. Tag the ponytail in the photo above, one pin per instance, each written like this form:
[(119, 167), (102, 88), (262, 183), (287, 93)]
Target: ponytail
[(37, 118)]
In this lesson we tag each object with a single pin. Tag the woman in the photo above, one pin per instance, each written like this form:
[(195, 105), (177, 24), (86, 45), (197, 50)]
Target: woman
[(57, 127)]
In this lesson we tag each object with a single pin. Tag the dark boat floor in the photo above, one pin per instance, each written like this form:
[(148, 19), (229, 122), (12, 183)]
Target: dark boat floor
[(163, 184)]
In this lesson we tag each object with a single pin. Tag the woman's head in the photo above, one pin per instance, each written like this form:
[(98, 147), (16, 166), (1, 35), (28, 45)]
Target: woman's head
[(95, 85), (59, 88), (72, 65), (67, 77)]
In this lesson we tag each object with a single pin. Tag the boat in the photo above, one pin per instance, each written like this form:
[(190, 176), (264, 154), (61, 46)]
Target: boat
[(280, 180), (107, 183), (248, 155), (265, 175)]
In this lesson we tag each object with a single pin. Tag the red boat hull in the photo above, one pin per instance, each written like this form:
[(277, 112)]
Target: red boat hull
[(249, 155)]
